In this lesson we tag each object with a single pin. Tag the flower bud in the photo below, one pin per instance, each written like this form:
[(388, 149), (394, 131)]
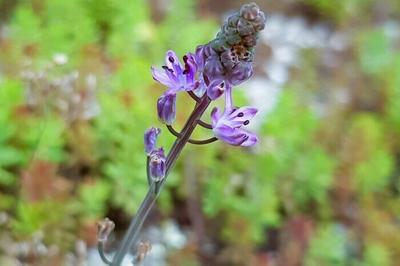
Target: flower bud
[(150, 139), (166, 108), (157, 165)]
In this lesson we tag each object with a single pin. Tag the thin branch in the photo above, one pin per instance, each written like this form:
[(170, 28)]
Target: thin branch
[(194, 96), (100, 247), (149, 181), (192, 141), (204, 124), (202, 142), (136, 224), (173, 131)]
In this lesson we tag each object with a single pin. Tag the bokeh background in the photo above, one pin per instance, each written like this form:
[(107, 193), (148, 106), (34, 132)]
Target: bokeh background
[(76, 94)]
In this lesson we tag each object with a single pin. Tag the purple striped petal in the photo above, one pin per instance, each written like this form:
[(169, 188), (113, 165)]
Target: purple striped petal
[(215, 91), (157, 165), (150, 139), (166, 107), (162, 76), (235, 136)]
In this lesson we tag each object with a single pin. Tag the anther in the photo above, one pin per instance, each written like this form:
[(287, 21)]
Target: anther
[(246, 122), (222, 85), (167, 68), (171, 59), (240, 114), (185, 58), (185, 72)]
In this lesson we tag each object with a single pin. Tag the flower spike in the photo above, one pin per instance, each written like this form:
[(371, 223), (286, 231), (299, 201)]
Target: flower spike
[(206, 75)]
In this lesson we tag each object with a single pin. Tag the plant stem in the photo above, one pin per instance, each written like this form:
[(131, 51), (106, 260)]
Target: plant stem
[(136, 224)]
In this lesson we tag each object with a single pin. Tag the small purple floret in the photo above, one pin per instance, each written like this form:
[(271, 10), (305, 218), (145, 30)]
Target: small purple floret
[(150, 139), (228, 125), (157, 165), (166, 107), (174, 75)]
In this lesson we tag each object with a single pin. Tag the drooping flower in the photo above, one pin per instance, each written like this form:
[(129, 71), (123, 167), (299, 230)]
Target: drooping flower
[(177, 78), (150, 139), (157, 165), (166, 107), (156, 156), (227, 126)]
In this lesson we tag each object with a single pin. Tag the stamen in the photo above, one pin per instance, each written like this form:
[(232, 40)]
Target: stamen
[(233, 110), (171, 59), (240, 114), (167, 68), (246, 122)]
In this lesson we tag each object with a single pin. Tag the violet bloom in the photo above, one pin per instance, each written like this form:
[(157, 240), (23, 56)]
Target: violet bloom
[(156, 157), (177, 78), (150, 139), (157, 165), (166, 107), (227, 126)]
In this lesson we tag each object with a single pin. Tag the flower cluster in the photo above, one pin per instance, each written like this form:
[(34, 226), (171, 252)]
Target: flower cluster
[(213, 70)]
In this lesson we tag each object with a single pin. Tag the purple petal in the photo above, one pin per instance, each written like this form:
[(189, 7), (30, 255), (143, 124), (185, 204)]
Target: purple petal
[(190, 68), (162, 77), (150, 139), (251, 139), (213, 68), (240, 117), (216, 91), (201, 55), (172, 62), (235, 136), (157, 165), (215, 116), (241, 72), (166, 107)]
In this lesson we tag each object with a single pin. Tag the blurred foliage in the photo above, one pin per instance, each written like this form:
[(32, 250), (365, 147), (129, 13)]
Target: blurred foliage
[(328, 185)]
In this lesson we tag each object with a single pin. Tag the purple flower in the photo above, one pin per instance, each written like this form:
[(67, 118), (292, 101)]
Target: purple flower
[(166, 107), (227, 126), (157, 165), (150, 139), (216, 91), (216, 69), (175, 76)]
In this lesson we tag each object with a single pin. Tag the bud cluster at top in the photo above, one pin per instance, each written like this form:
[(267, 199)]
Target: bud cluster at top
[(213, 70)]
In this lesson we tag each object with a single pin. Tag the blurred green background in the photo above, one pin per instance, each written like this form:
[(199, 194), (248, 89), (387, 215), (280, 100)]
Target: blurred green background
[(76, 94)]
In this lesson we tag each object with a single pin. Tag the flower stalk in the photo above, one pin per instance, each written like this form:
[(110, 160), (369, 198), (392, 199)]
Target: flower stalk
[(136, 224)]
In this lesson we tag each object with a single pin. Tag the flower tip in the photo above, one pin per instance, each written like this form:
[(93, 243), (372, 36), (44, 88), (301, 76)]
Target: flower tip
[(150, 139)]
